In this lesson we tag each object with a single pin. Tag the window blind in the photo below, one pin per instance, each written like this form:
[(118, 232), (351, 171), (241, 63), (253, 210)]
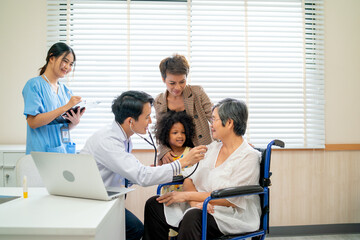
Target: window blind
[(267, 53)]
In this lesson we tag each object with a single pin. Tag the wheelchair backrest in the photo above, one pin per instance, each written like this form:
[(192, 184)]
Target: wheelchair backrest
[(262, 181)]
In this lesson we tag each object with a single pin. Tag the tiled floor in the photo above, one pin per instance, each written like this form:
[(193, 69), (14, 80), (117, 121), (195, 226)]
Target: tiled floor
[(320, 237)]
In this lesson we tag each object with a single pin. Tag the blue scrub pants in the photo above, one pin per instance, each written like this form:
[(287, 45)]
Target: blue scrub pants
[(134, 227)]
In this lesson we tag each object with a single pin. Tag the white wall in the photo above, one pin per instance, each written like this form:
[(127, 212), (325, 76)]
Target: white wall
[(342, 71), (23, 42), (23, 52)]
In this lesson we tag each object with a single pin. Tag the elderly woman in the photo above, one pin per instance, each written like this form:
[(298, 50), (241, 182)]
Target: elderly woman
[(181, 97), (227, 163)]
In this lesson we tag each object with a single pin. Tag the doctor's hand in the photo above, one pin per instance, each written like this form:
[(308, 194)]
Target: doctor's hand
[(172, 197), (195, 155)]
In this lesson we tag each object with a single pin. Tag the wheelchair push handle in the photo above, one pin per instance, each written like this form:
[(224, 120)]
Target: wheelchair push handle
[(277, 143)]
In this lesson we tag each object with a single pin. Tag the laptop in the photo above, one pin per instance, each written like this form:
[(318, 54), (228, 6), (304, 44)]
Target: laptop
[(74, 175)]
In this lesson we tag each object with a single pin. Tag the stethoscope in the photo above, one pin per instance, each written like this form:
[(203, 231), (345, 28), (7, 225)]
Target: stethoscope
[(151, 143)]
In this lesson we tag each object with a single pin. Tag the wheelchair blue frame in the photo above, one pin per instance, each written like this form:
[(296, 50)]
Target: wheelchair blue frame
[(261, 189)]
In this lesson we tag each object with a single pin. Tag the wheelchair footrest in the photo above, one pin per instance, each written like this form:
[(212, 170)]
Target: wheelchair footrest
[(250, 234)]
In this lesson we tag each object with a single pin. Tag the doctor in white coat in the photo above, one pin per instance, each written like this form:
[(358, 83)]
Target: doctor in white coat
[(111, 147)]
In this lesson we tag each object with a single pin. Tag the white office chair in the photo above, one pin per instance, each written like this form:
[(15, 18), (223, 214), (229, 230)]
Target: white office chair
[(25, 166)]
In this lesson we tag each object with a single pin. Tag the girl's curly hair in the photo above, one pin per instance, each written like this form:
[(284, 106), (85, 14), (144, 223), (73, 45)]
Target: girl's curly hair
[(165, 123)]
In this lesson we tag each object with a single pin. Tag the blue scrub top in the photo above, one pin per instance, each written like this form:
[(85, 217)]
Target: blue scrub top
[(39, 97)]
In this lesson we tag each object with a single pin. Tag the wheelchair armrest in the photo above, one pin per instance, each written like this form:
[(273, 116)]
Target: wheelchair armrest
[(234, 191)]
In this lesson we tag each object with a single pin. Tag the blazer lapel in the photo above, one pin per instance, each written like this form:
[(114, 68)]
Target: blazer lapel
[(162, 102), (189, 100)]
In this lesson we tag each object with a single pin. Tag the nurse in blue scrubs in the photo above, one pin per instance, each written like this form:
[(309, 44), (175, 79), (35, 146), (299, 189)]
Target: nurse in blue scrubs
[(46, 98)]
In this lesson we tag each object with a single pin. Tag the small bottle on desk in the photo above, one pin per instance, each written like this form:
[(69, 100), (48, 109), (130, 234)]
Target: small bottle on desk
[(25, 188)]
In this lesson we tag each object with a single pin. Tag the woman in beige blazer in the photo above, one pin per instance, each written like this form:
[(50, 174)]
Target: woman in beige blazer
[(182, 97)]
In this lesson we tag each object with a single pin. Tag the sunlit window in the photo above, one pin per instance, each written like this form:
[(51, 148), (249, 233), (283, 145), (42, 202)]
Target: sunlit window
[(267, 53)]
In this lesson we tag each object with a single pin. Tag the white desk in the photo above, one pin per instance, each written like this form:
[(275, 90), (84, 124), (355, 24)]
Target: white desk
[(43, 216)]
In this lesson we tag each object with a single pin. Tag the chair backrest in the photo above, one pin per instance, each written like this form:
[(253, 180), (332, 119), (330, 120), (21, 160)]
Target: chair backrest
[(25, 166), (262, 165)]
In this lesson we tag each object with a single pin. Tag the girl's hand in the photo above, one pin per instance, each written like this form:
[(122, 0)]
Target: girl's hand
[(172, 197), (167, 158), (210, 208)]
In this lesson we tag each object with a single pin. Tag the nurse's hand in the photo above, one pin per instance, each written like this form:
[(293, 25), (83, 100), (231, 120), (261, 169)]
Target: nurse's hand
[(73, 101), (73, 117)]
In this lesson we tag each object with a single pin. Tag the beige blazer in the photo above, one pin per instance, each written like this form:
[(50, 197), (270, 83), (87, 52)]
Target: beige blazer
[(198, 106)]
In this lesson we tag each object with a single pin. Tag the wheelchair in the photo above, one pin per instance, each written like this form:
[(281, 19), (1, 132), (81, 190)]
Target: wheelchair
[(262, 189)]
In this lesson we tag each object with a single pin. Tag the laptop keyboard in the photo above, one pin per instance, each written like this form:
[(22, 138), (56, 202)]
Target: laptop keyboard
[(111, 193)]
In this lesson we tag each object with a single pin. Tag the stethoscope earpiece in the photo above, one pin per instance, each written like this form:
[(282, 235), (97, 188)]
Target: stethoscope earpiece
[(151, 143)]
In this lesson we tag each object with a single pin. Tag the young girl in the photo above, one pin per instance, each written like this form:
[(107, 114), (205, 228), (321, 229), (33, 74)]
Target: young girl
[(175, 130)]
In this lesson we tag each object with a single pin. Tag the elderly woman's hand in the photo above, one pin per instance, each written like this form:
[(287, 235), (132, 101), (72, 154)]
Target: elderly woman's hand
[(172, 197), (210, 208)]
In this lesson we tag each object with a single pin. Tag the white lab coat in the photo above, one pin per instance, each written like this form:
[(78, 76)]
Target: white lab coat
[(115, 162), (241, 168)]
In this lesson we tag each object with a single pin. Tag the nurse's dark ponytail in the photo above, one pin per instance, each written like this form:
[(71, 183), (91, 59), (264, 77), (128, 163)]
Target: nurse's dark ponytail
[(57, 50)]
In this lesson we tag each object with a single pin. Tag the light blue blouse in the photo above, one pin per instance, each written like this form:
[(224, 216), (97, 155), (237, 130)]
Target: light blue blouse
[(39, 97)]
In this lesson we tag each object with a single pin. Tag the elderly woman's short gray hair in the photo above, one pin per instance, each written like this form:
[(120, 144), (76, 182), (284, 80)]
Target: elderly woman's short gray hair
[(236, 110)]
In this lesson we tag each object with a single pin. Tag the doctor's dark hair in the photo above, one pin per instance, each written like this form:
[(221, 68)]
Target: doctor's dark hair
[(235, 110), (130, 104), (56, 51), (165, 123), (176, 65)]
